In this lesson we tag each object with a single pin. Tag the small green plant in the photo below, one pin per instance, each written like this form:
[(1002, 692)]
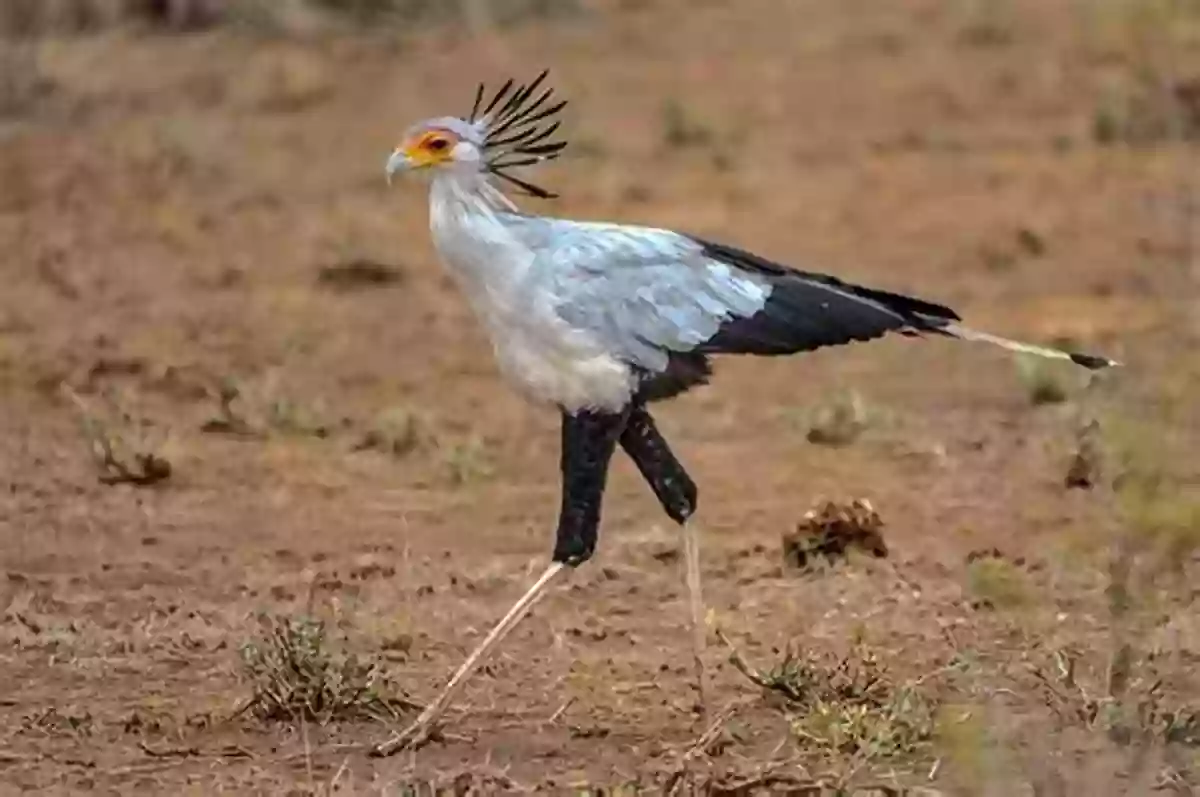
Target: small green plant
[(297, 674), (229, 418), (839, 421), (845, 706), (681, 129), (1147, 110), (22, 80), (1043, 380), (124, 448), (1152, 100), (255, 411), (996, 583), (294, 418), (1132, 705), (987, 23), (1086, 467), (397, 431), (468, 461), (1159, 512), (962, 739)]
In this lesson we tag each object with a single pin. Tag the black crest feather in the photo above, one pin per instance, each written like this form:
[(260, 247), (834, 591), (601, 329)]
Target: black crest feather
[(519, 126)]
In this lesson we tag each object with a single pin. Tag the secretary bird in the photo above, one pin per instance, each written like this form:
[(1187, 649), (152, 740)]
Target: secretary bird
[(600, 320)]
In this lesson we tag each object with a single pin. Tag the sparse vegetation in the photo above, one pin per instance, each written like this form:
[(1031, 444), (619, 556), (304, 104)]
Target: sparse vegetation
[(840, 421), (681, 129), (468, 461), (1044, 381), (1086, 466), (74, 16), (398, 431), (987, 23), (1161, 516), (22, 80), (1129, 706), (298, 674), (994, 582), (1142, 111), (126, 449), (1152, 100), (845, 711), (257, 410)]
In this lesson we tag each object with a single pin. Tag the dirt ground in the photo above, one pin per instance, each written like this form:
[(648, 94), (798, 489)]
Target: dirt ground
[(201, 262)]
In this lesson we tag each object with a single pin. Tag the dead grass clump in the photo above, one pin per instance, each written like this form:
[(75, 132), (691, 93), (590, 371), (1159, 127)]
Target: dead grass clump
[(1130, 705), (1159, 510), (839, 421), (468, 461), (1152, 101), (125, 449), (1143, 111), (297, 674), (22, 81), (177, 14), (398, 432), (846, 706), (1086, 465), (995, 582), (681, 129), (987, 23), (832, 530), (59, 722), (357, 274), (36, 17), (1167, 525), (1043, 382), (259, 410)]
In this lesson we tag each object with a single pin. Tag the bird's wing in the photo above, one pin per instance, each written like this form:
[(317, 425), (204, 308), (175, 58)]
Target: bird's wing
[(647, 293)]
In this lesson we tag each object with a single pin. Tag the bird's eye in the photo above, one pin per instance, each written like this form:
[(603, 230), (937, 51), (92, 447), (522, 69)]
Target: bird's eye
[(437, 144)]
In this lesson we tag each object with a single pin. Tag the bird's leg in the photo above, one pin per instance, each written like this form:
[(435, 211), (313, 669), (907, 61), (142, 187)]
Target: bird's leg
[(588, 442), (419, 731), (677, 493)]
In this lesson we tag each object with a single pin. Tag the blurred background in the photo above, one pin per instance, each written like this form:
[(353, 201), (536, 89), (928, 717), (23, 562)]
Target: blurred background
[(243, 411)]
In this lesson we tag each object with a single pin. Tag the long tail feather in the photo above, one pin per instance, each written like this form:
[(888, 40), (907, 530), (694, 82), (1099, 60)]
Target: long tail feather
[(1089, 361)]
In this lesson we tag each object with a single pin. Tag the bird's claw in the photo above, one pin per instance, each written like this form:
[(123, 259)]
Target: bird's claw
[(413, 737)]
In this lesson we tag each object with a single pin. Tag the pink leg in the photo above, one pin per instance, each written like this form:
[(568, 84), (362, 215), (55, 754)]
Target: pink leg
[(419, 731)]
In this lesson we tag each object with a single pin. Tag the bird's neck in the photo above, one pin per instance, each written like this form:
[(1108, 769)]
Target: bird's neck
[(469, 232), (462, 196)]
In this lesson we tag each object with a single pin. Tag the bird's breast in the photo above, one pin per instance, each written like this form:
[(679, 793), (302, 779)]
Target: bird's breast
[(546, 359)]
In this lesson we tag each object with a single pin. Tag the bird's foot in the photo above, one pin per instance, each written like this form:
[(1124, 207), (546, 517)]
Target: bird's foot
[(418, 734)]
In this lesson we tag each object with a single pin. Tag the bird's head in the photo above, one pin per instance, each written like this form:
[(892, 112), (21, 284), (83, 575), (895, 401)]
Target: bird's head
[(512, 130)]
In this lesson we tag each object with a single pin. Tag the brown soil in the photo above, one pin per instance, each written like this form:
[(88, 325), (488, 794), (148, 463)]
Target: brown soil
[(183, 213)]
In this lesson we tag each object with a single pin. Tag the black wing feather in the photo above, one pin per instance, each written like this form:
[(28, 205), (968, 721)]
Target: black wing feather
[(807, 311)]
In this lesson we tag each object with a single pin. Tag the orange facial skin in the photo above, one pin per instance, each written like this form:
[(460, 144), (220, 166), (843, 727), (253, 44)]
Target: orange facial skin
[(429, 148)]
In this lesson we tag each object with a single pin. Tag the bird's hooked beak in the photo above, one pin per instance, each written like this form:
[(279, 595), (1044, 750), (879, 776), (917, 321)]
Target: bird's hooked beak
[(398, 161)]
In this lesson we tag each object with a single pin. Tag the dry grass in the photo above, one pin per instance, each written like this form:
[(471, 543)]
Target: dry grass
[(20, 18), (126, 449), (840, 420), (297, 674), (1044, 381), (846, 713), (993, 582)]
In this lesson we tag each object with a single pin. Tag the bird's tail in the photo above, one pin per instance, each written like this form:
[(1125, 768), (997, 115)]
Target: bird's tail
[(954, 330)]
